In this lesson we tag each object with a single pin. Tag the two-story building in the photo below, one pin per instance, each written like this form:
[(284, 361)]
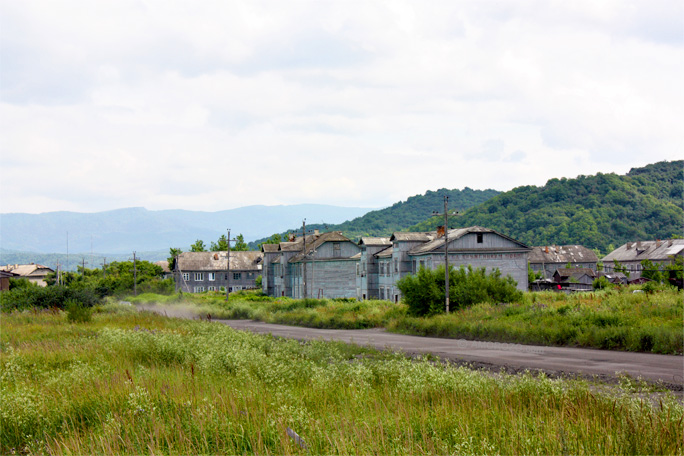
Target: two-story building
[(195, 272)]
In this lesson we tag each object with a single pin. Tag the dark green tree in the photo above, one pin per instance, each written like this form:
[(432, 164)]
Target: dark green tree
[(173, 253), (240, 244), (221, 245), (198, 246)]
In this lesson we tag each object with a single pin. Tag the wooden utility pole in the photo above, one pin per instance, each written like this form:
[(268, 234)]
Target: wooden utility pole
[(135, 276), (83, 262), (104, 268), (446, 248), (228, 265)]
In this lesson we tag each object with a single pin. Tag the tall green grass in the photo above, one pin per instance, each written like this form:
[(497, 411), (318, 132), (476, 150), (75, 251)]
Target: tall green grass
[(610, 319), (127, 383)]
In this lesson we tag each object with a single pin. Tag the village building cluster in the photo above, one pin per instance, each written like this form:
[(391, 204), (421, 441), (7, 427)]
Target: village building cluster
[(330, 265)]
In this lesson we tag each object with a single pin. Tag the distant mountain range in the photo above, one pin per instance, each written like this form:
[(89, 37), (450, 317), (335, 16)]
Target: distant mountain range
[(123, 231)]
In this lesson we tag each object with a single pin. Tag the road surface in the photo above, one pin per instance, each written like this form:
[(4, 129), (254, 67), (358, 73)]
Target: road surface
[(556, 361)]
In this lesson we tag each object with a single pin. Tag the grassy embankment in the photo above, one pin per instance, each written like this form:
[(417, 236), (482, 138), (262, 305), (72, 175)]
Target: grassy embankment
[(136, 383), (617, 320)]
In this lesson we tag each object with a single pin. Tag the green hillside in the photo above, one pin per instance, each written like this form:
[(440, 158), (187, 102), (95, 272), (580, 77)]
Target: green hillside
[(403, 214), (595, 211)]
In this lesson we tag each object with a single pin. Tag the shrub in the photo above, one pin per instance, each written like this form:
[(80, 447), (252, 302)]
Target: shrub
[(45, 298), (77, 312), (424, 293)]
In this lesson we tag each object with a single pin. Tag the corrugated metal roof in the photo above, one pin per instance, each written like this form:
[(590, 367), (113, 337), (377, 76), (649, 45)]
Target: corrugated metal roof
[(562, 254), (216, 261), (575, 272), (646, 250)]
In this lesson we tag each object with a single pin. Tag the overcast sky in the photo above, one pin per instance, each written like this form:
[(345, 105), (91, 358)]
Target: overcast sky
[(215, 105)]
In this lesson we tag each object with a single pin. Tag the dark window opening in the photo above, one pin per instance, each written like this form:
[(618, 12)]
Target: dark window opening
[(479, 239)]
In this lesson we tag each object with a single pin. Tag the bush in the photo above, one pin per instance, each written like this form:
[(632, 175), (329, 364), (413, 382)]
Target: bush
[(45, 298), (424, 293), (77, 312)]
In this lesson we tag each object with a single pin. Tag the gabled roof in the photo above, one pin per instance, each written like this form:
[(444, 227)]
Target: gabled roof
[(402, 236), (647, 250), (27, 270), (217, 261), (574, 272), (292, 246), (313, 242), (375, 241), (385, 253), (562, 254), (455, 234), (164, 264), (270, 248)]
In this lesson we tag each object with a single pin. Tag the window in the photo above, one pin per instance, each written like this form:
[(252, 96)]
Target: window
[(186, 276), (479, 239), (198, 289), (212, 276), (337, 250), (211, 288), (199, 276), (396, 265), (237, 275)]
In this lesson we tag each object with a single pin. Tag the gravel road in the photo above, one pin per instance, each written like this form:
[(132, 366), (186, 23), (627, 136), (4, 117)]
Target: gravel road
[(605, 365)]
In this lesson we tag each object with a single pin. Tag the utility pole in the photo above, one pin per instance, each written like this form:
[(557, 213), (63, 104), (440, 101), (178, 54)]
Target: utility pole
[(59, 274), (135, 276), (304, 289), (104, 268), (446, 248), (83, 262), (228, 265)]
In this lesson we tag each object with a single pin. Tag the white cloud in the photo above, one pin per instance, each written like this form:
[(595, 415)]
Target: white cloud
[(216, 105)]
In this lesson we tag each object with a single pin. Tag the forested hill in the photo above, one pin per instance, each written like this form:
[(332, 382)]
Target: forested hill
[(601, 211), (403, 214)]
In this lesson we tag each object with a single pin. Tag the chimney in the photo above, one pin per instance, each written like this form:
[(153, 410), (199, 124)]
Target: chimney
[(316, 232), (440, 231), (547, 251)]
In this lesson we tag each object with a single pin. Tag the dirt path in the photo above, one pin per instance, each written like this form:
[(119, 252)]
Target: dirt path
[(556, 361)]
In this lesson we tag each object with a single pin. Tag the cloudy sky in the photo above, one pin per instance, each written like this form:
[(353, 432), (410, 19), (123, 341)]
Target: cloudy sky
[(212, 105)]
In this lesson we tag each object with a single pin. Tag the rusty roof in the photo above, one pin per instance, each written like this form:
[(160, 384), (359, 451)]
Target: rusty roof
[(647, 250), (562, 254), (216, 261)]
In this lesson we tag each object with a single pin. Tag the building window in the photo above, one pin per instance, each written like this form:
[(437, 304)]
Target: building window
[(396, 265), (479, 239), (211, 288), (198, 289), (337, 250), (212, 276), (186, 276), (237, 275), (199, 276)]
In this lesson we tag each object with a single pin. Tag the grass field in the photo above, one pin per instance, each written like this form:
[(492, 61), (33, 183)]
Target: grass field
[(136, 383), (616, 320)]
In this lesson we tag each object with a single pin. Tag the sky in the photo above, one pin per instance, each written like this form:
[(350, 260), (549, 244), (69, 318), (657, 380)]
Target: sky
[(213, 105)]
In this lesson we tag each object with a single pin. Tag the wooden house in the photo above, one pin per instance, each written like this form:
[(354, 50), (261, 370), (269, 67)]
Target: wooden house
[(631, 254), (549, 258), (35, 273), (196, 272)]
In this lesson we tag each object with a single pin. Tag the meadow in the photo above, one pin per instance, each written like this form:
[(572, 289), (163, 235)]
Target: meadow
[(608, 319), (127, 382)]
